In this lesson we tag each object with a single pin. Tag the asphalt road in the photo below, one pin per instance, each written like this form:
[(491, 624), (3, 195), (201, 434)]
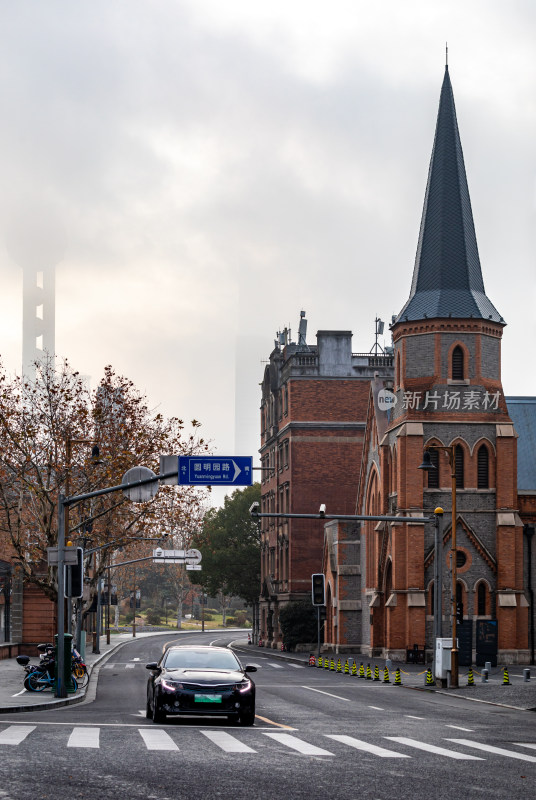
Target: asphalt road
[(316, 735)]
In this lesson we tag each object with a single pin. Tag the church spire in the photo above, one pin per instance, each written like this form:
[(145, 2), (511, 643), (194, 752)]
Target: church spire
[(447, 277)]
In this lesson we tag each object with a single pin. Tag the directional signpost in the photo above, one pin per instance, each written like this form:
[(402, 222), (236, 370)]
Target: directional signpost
[(215, 470), (192, 558)]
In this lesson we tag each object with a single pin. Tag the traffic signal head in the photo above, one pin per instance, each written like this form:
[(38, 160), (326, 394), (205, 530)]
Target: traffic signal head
[(318, 589)]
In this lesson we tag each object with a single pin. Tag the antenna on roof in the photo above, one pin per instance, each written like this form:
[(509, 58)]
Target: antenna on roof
[(379, 325), (302, 330), (446, 55)]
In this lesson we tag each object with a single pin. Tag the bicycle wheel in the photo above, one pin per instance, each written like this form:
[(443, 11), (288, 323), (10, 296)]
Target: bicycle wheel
[(36, 682)]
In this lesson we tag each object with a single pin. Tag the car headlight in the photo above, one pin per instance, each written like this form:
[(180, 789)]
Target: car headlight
[(171, 686), (243, 686)]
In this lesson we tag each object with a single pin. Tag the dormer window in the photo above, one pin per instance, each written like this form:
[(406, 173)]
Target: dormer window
[(458, 367)]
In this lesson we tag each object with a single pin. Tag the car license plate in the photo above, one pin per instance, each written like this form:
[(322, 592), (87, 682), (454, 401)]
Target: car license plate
[(207, 698)]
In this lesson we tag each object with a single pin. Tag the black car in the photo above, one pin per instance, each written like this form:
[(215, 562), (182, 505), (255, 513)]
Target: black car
[(200, 680)]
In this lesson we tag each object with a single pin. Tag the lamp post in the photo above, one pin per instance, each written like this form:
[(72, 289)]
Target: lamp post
[(427, 466)]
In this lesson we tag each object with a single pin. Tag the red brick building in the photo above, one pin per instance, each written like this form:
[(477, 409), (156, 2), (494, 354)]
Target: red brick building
[(447, 392), (313, 415)]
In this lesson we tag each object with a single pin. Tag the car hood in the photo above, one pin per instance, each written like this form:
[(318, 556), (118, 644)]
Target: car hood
[(204, 675)]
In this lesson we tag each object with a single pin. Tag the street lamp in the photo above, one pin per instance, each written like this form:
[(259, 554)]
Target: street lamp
[(427, 466)]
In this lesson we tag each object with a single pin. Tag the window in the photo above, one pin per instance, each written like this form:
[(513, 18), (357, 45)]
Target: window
[(457, 364), (459, 466), (397, 375), (481, 600), (433, 474), (483, 467)]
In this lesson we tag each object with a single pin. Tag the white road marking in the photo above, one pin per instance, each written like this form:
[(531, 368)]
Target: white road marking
[(459, 728), (488, 748), (431, 748), (84, 737), (109, 666), (369, 748), (228, 743), (410, 716), (377, 708), (296, 666), (525, 744), (157, 739), (276, 666), (22, 691), (336, 696), (135, 659), (297, 744), (15, 734), (129, 666)]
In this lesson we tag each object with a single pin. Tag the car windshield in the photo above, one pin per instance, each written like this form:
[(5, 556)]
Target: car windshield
[(200, 659)]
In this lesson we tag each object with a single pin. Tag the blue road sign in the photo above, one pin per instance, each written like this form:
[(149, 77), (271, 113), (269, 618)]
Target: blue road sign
[(215, 470)]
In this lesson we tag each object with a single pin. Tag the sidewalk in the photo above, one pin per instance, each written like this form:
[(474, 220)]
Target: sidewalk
[(518, 694)]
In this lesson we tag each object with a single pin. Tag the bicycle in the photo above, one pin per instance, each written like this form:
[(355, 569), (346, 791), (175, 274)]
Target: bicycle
[(38, 681)]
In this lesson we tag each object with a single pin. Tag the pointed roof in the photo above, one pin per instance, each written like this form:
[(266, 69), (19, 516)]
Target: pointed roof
[(447, 278)]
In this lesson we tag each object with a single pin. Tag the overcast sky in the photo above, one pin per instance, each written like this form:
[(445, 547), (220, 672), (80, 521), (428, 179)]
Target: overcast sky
[(205, 169)]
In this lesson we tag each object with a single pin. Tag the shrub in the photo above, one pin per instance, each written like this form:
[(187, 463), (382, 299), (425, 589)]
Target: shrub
[(153, 616), (298, 623)]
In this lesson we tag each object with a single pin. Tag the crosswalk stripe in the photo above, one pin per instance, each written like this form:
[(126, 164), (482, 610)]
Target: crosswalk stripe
[(525, 744), (84, 737), (432, 748), (369, 748), (297, 744), (157, 739), (227, 743), (15, 734), (489, 748), (296, 666), (129, 666), (276, 666)]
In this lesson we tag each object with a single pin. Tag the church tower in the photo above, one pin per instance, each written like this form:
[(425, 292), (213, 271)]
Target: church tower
[(447, 382)]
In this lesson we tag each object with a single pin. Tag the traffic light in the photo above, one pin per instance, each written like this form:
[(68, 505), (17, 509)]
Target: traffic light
[(318, 589), (459, 613), (74, 576)]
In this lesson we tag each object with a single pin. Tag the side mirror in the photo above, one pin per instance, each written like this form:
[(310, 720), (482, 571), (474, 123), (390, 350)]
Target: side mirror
[(250, 668), (153, 666)]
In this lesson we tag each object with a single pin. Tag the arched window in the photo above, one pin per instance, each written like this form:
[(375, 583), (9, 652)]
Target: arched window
[(483, 467), (459, 466), (433, 474), (457, 364), (481, 600), (397, 375)]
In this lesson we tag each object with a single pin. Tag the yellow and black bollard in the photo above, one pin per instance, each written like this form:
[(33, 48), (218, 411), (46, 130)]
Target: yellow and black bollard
[(398, 678), (506, 679), (470, 677), (319, 662), (386, 678), (332, 665), (339, 665), (346, 668), (354, 669), (369, 673), (376, 673), (326, 663), (429, 678), (361, 670)]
